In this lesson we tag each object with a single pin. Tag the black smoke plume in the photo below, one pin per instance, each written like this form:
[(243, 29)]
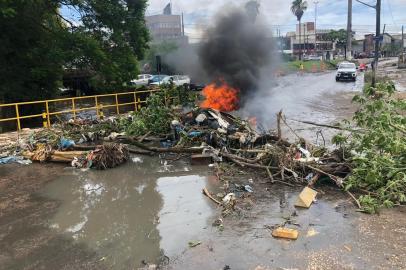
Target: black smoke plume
[(236, 49)]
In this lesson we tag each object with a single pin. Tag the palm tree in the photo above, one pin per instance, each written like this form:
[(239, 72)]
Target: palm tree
[(298, 8)]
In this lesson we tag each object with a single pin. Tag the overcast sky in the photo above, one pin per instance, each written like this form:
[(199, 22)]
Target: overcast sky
[(331, 14)]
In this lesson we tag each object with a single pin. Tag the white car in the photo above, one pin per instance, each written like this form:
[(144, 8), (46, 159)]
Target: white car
[(177, 80), (312, 58), (142, 79), (346, 71)]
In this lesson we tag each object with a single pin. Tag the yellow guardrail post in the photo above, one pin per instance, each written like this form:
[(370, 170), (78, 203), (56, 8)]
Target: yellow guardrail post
[(74, 108), (44, 120), (117, 108), (18, 118), (101, 114), (139, 104), (135, 101), (97, 106), (47, 111)]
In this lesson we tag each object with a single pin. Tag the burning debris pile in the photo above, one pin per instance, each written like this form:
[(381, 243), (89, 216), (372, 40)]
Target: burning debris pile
[(234, 56)]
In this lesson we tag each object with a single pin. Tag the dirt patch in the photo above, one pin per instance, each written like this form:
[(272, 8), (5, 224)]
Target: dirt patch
[(26, 242)]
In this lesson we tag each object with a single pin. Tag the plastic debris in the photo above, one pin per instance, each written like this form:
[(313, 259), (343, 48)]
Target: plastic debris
[(229, 198), (14, 159), (311, 232), (65, 144), (193, 244), (195, 134), (285, 233), (306, 198), (201, 118), (248, 188), (309, 177)]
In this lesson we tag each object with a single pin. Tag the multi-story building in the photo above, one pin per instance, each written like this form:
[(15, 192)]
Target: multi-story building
[(309, 40), (166, 27)]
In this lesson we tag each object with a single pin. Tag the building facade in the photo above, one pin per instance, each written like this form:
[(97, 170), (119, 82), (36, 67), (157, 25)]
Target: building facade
[(310, 40), (166, 28)]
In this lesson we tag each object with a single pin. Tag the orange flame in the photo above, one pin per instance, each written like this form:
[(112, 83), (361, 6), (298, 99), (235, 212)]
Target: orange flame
[(220, 96)]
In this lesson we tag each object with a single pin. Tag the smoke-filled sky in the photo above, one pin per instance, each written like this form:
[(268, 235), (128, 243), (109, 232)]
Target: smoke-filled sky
[(332, 14)]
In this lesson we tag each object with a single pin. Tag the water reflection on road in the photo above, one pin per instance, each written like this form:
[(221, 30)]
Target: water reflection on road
[(132, 213), (310, 97)]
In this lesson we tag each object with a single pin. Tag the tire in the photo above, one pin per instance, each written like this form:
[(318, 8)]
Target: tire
[(337, 79)]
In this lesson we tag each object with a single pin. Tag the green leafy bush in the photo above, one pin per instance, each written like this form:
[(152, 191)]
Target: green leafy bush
[(378, 148), (154, 118)]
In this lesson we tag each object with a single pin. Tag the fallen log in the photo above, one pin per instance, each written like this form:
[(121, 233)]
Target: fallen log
[(191, 150), (57, 156), (131, 150)]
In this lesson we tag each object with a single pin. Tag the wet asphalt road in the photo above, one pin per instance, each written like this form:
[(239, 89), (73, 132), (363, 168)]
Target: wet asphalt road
[(309, 97)]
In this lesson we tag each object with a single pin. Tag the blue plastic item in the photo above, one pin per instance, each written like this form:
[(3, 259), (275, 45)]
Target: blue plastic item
[(66, 143)]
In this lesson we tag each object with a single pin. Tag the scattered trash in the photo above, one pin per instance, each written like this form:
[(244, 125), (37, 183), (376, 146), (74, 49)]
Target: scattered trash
[(66, 144), (348, 248), (311, 232), (285, 233), (201, 159), (201, 118), (248, 188), (14, 159), (306, 198), (309, 177), (219, 224), (113, 136), (136, 160), (193, 244), (229, 198)]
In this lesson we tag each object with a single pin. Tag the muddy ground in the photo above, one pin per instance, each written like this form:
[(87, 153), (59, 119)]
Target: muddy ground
[(52, 217), (26, 241), (332, 234)]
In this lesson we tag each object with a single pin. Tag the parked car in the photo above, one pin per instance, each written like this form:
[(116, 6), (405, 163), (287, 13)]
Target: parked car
[(312, 58), (142, 79), (346, 71), (177, 80), (156, 79)]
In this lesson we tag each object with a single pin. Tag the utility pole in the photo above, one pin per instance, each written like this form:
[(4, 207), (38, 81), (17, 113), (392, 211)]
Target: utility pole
[(377, 39), (403, 39), (377, 7), (349, 30), (315, 26)]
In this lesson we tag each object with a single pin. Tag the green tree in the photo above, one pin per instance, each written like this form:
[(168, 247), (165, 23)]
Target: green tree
[(298, 8), (338, 36), (38, 44)]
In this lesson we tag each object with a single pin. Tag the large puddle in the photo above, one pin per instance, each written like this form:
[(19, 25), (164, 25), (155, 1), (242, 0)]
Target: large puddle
[(142, 211)]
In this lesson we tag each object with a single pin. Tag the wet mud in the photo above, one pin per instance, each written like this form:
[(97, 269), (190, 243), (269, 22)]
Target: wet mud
[(147, 210)]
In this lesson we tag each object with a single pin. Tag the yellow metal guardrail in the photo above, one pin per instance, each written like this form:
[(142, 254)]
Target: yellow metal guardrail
[(98, 106)]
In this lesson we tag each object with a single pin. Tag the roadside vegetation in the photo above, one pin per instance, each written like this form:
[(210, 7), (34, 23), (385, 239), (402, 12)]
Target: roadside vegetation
[(309, 66), (40, 45), (376, 149)]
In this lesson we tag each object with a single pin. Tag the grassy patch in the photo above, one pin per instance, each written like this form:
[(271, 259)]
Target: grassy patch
[(309, 66)]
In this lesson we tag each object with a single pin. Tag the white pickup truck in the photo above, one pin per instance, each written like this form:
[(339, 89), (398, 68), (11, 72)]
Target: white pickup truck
[(142, 79), (346, 71)]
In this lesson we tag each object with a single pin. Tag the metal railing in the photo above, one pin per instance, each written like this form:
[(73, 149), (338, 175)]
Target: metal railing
[(98, 106)]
